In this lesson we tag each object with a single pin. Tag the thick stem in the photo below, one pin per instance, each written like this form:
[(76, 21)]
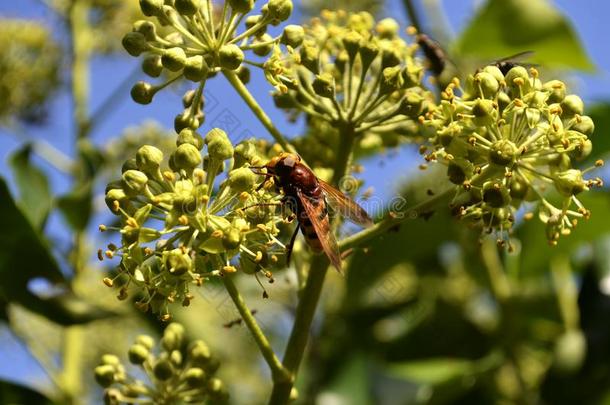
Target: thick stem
[(257, 110), (278, 372)]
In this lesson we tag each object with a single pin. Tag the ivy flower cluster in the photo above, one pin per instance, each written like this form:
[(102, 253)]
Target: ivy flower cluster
[(203, 39), (179, 230), (179, 373), (348, 71), (511, 139)]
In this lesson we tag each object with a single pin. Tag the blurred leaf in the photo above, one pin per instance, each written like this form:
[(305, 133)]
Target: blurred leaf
[(536, 252), (351, 386), (76, 207), (600, 114), (512, 26), (34, 193), (433, 370), (14, 394), (24, 256)]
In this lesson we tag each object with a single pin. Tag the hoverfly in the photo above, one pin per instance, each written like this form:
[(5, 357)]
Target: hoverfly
[(307, 197), (434, 53)]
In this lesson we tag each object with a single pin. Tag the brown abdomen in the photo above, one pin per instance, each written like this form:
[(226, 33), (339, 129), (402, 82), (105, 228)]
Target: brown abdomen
[(307, 227)]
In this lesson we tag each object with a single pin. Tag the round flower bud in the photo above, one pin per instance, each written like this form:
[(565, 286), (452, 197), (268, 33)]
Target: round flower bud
[(252, 20), (199, 353), (262, 45), (324, 85), (185, 120), (104, 375), (189, 136), (411, 105), (219, 145), (520, 74), (391, 80), (518, 187), (569, 182), (351, 42), (489, 84), (503, 152), (173, 59), (216, 388), (177, 329), (151, 7), (496, 194), (389, 58), (196, 68), (138, 354), (585, 125), (241, 179), (187, 156), (163, 369), (149, 158), (242, 6), (570, 351), (146, 28), (186, 7), (111, 360), (230, 56), (244, 152), (293, 35), (231, 238), (135, 43), (243, 74), (146, 341), (556, 90), (572, 104), (116, 195), (152, 66), (495, 72), (134, 181), (195, 377), (129, 164), (387, 28), (143, 93), (310, 55), (368, 52), (484, 112), (279, 10)]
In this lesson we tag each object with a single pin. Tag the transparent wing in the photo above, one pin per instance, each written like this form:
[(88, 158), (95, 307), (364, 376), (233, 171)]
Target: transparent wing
[(345, 205)]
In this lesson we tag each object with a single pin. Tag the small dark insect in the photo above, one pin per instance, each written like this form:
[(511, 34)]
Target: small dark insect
[(506, 64), (237, 321), (307, 196), (437, 59)]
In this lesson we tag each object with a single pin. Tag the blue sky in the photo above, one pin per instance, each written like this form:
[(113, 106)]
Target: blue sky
[(588, 16)]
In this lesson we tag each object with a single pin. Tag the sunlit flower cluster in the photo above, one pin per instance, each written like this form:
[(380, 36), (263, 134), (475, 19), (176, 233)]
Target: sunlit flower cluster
[(177, 230), (181, 372), (510, 139)]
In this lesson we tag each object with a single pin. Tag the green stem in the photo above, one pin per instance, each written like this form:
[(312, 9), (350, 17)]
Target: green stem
[(412, 13), (278, 372), (80, 65), (257, 110)]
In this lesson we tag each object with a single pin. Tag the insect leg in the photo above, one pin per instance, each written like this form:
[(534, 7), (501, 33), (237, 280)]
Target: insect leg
[(291, 244)]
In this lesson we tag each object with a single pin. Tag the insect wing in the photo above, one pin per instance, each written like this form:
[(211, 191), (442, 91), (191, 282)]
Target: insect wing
[(345, 205), (322, 229), (516, 57)]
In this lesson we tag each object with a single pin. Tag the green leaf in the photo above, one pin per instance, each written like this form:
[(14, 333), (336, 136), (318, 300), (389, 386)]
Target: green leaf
[(351, 385), (76, 207), (432, 371), (12, 393), (506, 27), (34, 193), (24, 256)]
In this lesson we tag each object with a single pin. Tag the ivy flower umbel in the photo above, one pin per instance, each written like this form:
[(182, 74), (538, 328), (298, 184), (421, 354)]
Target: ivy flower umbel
[(351, 72), (177, 230), (181, 372), (512, 139), (204, 39)]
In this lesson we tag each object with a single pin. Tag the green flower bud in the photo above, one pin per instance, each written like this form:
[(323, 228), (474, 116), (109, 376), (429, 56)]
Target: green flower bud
[(152, 66), (503, 152), (368, 52), (189, 136), (389, 58), (244, 152), (518, 73), (572, 104), (111, 360), (195, 377), (196, 68), (104, 375), (351, 42), (484, 112), (143, 93), (262, 45), (230, 56), (129, 164), (176, 358), (185, 120), (293, 35), (116, 195), (216, 388), (173, 59), (187, 7), (387, 28), (231, 238), (324, 85), (556, 90), (518, 187), (243, 74), (146, 28), (151, 7), (284, 100), (585, 125), (149, 158), (496, 194), (310, 55), (495, 72), (392, 80), (138, 354), (489, 84), (187, 157), (134, 181), (279, 10), (411, 75), (241, 179), (459, 170), (569, 182), (177, 263), (411, 105), (252, 20), (570, 351), (199, 353), (242, 6), (163, 369), (135, 43), (146, 341), (219, 145)]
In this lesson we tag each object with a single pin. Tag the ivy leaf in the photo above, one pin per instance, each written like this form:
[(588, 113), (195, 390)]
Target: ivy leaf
[(512, 26), (24, 256), (76, 206), (34, 193)]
